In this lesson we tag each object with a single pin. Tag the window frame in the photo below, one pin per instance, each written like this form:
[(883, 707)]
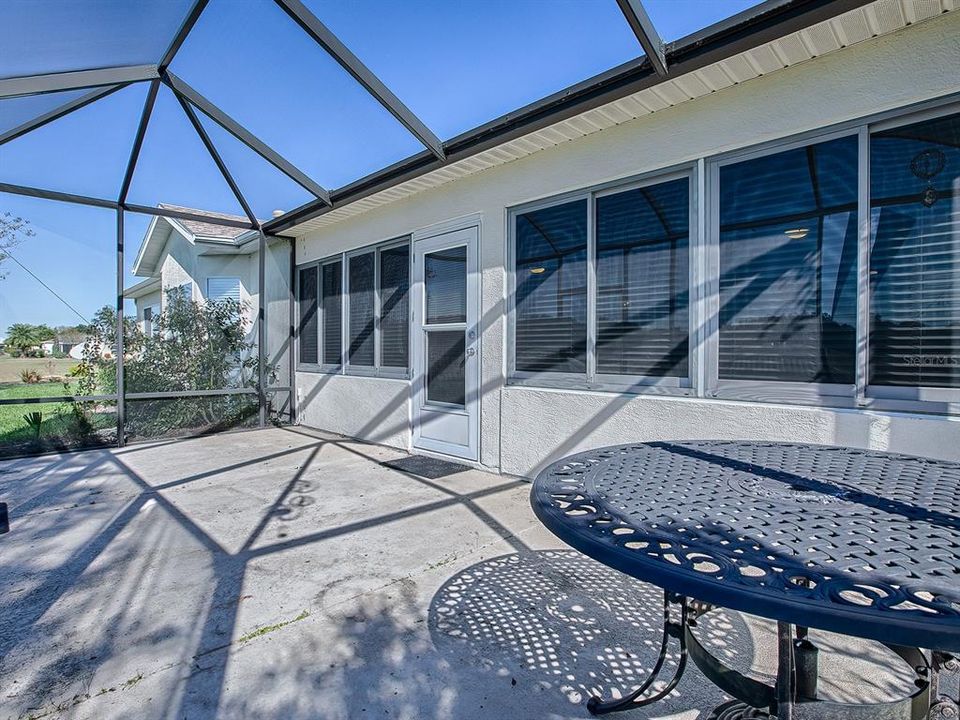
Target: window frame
[(826, 394), (322, 365), (895, 397), (591, 379), (224, 277), (345, 367)]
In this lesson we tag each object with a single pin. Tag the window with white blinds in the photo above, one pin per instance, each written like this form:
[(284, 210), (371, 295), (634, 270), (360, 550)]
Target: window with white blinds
[(550, 329), (636, 249), (223, 288), (788, 259), (362, 299), (394, 306), (331, 303), (362, 314), (915, 255), (642, 254), (307, 331)]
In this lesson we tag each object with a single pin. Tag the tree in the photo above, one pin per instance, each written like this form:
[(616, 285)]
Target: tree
[(23, 336), (13, 230)]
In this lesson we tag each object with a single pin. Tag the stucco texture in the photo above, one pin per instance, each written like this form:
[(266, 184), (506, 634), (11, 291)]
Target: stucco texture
[(522, 428)]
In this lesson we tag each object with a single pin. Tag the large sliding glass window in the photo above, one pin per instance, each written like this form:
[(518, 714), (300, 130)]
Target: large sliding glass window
[(551, 289), (915, 259), (355, 312), (788, 259), (642, 254), (620, 278)]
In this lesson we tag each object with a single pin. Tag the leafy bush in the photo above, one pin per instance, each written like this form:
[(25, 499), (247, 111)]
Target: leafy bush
[(34, 421), (30, 376), (195, 346)]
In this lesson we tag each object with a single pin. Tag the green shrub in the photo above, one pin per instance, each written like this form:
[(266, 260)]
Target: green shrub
[(34, 421), (30, 376), (195, 346)]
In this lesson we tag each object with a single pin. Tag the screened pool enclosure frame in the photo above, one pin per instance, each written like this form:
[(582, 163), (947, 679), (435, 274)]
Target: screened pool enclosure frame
[(660, 62)]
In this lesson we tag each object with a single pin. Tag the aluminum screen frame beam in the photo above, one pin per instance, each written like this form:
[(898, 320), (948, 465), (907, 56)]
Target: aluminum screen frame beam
[(58, 82), (324, 37), (215, 156), (59, 112), (188, 22), (745, 31), (182, 215), (184, 92), (138, 141), (650, 40)]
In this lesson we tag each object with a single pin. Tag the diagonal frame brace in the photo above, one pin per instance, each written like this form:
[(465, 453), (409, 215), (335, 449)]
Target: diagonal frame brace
[(323, 36), (221, 166), (138, 140), (58, 112), (646, 33), (187, 94)]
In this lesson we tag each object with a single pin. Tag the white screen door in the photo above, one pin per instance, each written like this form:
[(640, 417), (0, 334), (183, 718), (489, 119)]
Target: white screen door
[(446, 348)]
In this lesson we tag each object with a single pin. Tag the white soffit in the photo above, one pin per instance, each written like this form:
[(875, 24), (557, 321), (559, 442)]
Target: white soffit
[(878, 18)]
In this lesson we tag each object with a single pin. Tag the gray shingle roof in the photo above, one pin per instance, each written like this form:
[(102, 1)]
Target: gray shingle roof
[(210, 229)]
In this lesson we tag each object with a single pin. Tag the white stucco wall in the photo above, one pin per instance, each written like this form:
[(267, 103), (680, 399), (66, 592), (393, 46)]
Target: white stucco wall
[(916, 64), (376, 409)]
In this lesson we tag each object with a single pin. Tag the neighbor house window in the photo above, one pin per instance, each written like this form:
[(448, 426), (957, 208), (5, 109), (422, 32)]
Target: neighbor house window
[(150, 314), (915, 256), (360, 299), (223, 288), (788, 258), (642, 254), (551, 289)]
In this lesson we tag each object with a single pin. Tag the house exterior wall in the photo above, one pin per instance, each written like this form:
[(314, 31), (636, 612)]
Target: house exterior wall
[(522, 428), (145, 301), (181, 262)]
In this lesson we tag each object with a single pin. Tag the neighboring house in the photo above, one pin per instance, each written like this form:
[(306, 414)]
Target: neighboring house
[(201, 260), (765, 244)]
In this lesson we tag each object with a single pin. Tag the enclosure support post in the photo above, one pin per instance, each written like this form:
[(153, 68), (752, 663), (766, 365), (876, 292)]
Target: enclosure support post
[(262, 328), (291, 331), (121, 410)]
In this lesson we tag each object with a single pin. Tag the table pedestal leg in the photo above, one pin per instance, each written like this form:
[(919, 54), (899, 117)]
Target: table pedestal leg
[(944, 707), (597, 706), (786, 672)]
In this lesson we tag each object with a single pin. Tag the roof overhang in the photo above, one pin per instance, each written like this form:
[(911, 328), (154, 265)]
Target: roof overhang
[(769, 37), (150, 285)]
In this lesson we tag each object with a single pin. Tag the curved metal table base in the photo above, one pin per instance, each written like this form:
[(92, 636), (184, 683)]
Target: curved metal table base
[(794, 696), (598, 706)]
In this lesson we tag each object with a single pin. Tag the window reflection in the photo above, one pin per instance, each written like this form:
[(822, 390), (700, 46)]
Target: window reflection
[(642, 279), (551, 289), (915, 255), (788, 256)]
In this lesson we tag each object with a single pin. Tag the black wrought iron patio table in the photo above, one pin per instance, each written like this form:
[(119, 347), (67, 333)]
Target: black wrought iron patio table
[(851, 541)]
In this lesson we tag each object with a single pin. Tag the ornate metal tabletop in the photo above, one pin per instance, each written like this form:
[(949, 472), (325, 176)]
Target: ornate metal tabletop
[(853, 541)]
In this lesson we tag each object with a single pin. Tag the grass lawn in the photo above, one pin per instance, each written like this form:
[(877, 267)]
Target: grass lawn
[(10, 367), (59, 428)]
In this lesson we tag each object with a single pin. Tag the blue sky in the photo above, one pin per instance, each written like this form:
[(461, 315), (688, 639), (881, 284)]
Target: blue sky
[(455, 63)]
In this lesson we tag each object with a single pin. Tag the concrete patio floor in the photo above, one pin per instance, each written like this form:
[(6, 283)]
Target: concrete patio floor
[(287, 574)]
